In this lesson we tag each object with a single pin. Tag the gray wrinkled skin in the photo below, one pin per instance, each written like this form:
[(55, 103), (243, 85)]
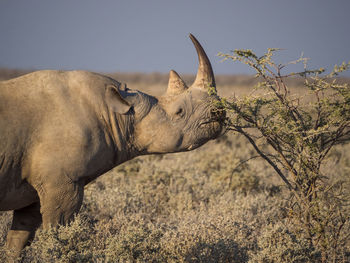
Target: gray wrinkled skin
[(61, 130)]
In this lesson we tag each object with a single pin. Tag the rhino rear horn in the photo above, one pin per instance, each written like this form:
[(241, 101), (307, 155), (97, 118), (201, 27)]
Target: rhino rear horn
[(205, 76), (176, 85)]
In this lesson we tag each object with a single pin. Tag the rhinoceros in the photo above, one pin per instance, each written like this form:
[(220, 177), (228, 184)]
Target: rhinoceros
[(59, 130)]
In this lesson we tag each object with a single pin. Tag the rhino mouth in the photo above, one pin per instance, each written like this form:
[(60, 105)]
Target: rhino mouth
[(214, 127), (205, 124), (216, 120)]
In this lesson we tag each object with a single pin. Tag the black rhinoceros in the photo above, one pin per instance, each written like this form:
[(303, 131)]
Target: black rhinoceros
[(61, 130)]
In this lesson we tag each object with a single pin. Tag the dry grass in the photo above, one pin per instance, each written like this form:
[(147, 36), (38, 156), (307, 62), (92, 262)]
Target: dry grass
[(202, 206)]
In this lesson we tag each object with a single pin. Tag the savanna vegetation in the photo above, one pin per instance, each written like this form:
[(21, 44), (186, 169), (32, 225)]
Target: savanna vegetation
[(236, 199)]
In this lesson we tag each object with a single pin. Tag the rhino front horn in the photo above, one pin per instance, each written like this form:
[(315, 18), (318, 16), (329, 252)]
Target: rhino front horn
[(205, 76)]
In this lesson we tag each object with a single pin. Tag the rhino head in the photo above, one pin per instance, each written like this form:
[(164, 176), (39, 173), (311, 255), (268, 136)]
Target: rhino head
[(180, 120)]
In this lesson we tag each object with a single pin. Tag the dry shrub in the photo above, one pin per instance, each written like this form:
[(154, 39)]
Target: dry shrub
[(179, 208), (278, 244), (71, 243), (294, 134), (4, 227)]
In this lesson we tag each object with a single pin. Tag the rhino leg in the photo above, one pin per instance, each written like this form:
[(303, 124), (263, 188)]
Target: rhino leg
[(60, 201), (24, 223)]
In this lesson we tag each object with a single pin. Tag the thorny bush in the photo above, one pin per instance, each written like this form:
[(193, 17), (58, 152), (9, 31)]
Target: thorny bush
[(295, 133)]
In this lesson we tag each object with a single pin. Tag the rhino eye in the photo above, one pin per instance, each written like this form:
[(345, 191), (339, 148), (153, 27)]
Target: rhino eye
[(179, 112)]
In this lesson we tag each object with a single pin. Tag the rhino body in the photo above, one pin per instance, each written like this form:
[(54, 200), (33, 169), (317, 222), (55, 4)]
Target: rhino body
[(55, 123), (61, 130)]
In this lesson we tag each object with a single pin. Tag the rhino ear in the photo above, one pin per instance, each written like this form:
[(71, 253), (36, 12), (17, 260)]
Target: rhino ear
[(176, 85), (116, 99)]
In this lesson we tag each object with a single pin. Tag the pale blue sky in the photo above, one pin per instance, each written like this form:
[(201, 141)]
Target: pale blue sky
[(152, 35)]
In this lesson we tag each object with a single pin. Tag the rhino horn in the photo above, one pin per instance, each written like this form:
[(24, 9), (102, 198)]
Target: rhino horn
[(176, 85), (205, 76)]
